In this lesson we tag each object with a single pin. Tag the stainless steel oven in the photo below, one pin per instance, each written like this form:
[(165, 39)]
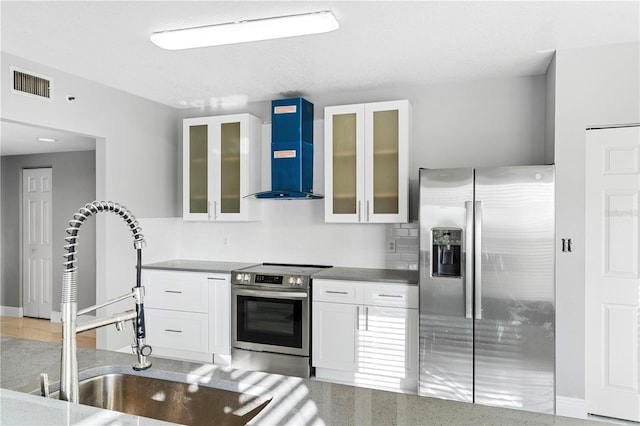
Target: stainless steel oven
[(271, 313)]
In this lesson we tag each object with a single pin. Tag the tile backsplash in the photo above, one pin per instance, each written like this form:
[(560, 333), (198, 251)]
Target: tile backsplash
[(402, 247)]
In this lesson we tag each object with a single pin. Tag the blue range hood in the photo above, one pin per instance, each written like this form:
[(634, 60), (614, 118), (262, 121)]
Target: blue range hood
[(291, 150)]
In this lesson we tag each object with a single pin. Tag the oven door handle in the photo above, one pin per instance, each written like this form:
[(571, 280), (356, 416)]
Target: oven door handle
[(273, 294)]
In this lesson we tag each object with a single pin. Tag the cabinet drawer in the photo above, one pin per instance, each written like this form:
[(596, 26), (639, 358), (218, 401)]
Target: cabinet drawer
[(402, 296), (180, 291), (177, 330), (337, 291)]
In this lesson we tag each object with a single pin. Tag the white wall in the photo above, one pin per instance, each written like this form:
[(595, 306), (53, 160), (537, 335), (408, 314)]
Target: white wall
[(550, 113), (594, 86), (136, 153), (482, 123), (74, 182), (473, 123), (477, 123)]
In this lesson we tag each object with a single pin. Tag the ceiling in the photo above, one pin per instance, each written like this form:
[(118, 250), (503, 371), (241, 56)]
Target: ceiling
[(20, 139), (379, 45)]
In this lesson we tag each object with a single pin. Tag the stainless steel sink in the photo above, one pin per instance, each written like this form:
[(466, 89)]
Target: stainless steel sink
[(172, 401)]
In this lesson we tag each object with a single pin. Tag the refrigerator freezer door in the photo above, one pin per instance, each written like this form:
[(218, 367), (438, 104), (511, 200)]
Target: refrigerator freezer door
[(446, 324), (515, 314)]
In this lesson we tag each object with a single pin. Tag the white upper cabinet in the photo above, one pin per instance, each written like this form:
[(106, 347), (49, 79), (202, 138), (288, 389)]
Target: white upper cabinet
[(367, 162), (221, 165)]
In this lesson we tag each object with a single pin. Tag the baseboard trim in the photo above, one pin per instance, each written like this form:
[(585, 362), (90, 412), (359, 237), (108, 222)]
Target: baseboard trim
[(56, 316), (11, 311), (571, 407)]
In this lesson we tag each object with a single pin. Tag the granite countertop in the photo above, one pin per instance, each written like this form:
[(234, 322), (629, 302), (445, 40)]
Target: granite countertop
[(335, 273), (295, 401), (23, 409), (198, 266), (372, 275)]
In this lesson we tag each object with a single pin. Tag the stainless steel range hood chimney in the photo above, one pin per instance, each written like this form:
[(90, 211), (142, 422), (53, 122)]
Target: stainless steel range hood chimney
[(291, 151)]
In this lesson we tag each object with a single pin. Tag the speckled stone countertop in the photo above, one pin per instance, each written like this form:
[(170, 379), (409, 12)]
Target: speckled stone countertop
[(335, 273), (198, 266), (295, 401), (23, 409), (372, 275)]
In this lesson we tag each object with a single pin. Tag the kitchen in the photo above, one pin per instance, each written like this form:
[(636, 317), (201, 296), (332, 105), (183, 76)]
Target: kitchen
[(498, 111)]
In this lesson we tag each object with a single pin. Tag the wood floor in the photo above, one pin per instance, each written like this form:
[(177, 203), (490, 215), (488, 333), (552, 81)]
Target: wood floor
[(43, 330)]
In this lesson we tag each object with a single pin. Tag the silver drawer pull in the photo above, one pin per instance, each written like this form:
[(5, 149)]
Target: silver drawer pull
[(173, 291), (214, 278), (390, 295), (172, 331), (336, 292)]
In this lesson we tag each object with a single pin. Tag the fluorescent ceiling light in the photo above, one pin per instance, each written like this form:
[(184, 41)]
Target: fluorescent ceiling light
[(245, 31), (47, 139)]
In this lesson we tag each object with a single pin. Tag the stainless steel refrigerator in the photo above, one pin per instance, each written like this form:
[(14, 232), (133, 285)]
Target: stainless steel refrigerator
[(487, 311)]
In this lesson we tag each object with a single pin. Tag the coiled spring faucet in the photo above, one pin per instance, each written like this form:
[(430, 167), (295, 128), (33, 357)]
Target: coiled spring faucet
[(69, 366)]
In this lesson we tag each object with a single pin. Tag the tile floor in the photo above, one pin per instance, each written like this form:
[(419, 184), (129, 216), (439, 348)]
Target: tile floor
[(43, 330)]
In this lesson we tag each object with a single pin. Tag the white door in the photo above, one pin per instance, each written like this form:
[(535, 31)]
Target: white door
[(612, 286), (36, 242)]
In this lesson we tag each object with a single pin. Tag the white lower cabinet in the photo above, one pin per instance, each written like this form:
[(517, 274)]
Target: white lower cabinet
[(335, 335), (366, 334), (188, 315), (187, 331)]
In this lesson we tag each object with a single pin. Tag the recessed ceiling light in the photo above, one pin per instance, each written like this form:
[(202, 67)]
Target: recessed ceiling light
[(245, 31), (47, 139)]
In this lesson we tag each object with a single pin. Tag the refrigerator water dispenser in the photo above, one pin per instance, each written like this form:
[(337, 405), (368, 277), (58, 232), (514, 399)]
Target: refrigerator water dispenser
[(447, 256)]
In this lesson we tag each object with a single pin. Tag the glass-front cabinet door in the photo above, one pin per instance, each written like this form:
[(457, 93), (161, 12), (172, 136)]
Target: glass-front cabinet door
[(221, 158), (387, 161), (198, 177), (366, 162), (344, 163), (226, 193)]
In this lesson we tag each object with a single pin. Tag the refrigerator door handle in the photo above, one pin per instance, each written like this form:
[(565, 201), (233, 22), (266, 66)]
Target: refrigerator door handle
[(468, 262), (477, 257)]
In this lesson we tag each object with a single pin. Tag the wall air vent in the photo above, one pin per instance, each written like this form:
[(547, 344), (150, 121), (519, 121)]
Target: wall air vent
[(31, 84)]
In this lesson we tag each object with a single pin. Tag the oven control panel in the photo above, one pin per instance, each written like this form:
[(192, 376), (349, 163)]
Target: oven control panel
[(248, 278), (268, 279)]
